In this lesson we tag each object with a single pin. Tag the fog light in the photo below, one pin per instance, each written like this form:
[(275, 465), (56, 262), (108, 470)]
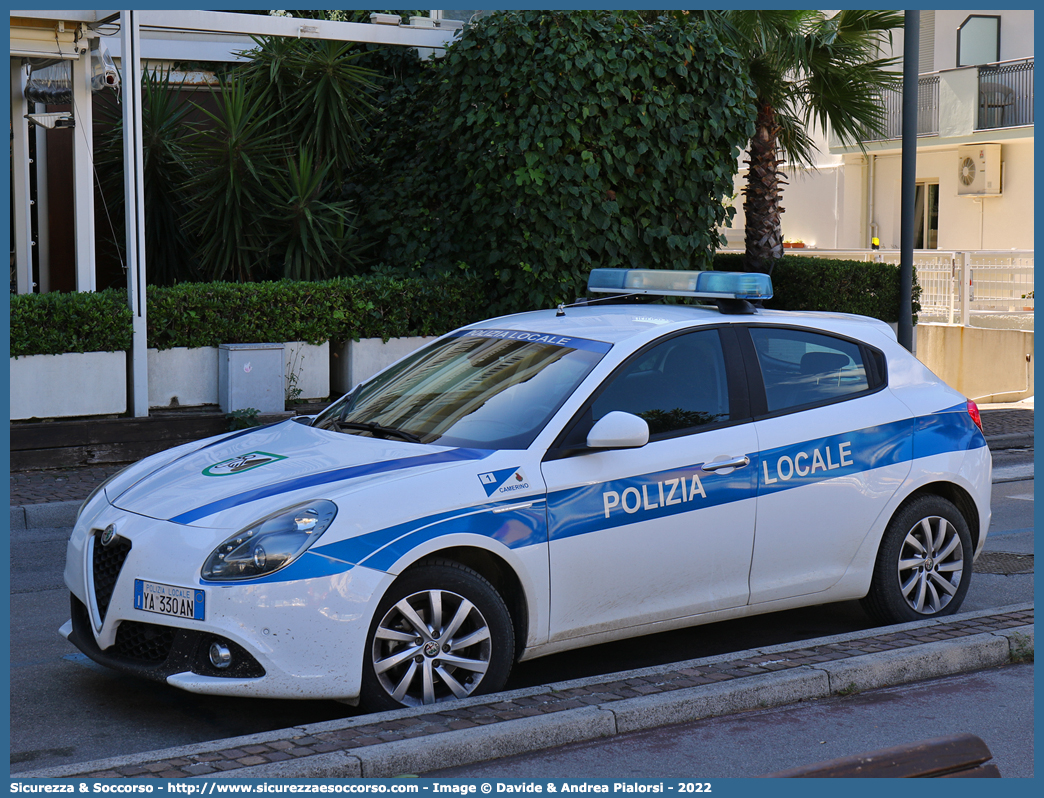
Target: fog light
[(220, 656)]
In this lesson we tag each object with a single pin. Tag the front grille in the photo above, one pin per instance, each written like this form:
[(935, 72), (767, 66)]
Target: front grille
[(144, 642), (155, 651), (107, 562)]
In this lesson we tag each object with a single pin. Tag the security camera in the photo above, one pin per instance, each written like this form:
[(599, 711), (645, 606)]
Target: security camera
[(103, 69)]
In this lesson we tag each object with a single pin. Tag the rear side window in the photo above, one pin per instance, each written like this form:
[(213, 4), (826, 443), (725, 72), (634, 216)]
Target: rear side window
[(800, 367)]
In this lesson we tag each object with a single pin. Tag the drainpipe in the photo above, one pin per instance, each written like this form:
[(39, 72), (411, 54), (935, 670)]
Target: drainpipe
[(871, 225)]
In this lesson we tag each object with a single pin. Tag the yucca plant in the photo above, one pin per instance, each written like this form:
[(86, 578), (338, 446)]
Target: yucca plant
[(312, 234), (235, 160), (169, 244), (316, 92)]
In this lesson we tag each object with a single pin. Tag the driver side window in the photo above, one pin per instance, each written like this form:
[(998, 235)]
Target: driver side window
[(679, 384)]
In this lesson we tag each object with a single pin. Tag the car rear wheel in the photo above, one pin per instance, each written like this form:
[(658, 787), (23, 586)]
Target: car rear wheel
[(442, 632), (924, 565)]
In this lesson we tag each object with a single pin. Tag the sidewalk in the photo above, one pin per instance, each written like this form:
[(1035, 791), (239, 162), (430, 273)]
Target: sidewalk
[(412, 741)]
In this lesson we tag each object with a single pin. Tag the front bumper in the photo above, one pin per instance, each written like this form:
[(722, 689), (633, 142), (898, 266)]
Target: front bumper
[(299, 637), (157, 652)]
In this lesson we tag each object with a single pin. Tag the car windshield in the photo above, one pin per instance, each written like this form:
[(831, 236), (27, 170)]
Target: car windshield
[(477, 389)]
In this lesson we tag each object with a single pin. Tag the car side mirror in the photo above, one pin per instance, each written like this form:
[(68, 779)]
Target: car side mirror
[(618, 430)]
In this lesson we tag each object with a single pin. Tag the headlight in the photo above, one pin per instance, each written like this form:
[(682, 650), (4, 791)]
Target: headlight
[(269, 544)]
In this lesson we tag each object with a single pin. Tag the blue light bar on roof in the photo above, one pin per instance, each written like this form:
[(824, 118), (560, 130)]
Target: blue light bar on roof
[(665, 282)]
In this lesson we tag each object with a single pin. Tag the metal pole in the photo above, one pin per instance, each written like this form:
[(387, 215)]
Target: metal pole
[(911, 56), (133, 193), (83, 170), (22, 231)]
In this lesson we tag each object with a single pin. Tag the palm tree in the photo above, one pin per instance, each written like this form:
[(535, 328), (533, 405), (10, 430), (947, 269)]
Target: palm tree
[(807, 68)]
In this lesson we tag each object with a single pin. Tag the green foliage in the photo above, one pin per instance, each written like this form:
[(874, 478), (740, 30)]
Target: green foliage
[(315, 92), (260, 211), (210, 314), (343, 309), (379, 306), (842, 286), (49, 324), (807, 69), (815, 69), (243, 419), (544, 144), (169, 243), (234, 159), (312, 232)]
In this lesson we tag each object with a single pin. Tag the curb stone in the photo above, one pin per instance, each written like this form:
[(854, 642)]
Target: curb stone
[(592, 708), (696, 703), (926, 661), (481, 743), (336, 764)]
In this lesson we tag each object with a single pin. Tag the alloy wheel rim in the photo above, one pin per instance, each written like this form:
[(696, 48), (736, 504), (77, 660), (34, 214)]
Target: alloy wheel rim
[(431, 646), (931, 565)]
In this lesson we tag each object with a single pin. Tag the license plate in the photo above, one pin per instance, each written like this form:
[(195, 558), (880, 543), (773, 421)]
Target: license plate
[(178, 602)]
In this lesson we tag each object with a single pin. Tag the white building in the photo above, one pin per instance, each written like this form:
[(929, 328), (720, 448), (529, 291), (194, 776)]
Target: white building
[(976, 89)]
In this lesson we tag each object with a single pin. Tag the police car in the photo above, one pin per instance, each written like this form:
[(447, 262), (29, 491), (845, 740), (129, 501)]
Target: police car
[(536, 483)]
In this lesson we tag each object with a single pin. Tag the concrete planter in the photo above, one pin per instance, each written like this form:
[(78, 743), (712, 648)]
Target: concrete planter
[(355, 361), (72, 384), (189, 377), (308, 369), (183, 377)]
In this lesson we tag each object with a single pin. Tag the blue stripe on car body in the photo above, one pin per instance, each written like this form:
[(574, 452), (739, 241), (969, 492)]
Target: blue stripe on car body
[(329, 477), (582, 510)]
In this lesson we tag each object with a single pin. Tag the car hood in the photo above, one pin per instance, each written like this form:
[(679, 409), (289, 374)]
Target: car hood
[(271, 468)]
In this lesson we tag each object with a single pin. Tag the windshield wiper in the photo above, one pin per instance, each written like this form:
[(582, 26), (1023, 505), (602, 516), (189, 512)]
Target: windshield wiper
[(376, 429)]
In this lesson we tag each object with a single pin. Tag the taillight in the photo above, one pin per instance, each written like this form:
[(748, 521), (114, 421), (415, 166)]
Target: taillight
[(973, 411)]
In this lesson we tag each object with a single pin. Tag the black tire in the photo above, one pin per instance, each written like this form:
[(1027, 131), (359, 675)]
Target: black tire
[(924, 564), (399, 671)]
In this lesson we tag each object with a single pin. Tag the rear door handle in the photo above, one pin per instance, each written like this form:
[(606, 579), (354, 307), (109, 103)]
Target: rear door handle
[(720, 465)]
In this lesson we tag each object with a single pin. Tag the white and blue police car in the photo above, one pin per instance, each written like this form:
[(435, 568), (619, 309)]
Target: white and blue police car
[(536, 483)]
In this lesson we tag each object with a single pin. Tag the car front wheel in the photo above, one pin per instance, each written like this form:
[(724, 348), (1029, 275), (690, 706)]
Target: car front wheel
[(924, 565), (441, 633)]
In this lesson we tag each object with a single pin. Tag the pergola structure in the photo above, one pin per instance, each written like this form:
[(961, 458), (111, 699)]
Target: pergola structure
[(133, 36)]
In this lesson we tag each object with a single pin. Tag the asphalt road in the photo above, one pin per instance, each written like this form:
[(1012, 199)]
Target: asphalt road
[(66, 709)]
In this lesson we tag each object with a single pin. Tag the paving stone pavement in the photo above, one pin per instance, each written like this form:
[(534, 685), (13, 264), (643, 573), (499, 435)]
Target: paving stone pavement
[(357, 734), (1001, 425)]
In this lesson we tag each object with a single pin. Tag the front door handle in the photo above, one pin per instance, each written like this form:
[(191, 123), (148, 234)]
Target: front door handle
[(720, 465)]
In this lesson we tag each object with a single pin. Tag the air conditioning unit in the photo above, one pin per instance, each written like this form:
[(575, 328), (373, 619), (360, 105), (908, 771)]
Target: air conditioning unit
[(979, 170)]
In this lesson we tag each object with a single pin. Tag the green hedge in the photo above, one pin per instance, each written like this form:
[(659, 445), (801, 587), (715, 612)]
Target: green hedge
[(800, 282), (209, 314), (49, 324)]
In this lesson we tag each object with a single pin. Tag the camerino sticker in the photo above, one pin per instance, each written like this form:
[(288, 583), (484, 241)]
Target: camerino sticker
[(503, 482)]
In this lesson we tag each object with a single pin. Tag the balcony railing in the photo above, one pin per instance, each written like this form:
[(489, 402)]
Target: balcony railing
[(927, 110), (982, 288), (1005, 99), (1005, 95)]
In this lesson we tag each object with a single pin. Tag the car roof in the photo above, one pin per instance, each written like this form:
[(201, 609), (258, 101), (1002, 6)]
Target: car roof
[(619, 322)]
